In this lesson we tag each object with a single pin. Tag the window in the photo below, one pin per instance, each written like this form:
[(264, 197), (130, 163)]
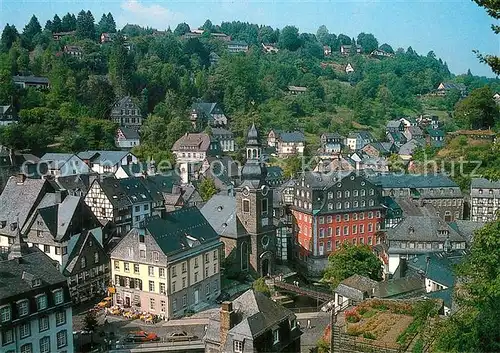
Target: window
[(321, 220), (347, 193), (361, 228), (184, 301), (346, 230), (45, 345), (126, 266), (238, 346), (174, 305), (60, 318), (5, 314), (137, 208), (22, 308), (163, 305), (207, 258), (354, 229), (330, 231), (215, 268), (329, 246), (162, 288), (246, 206), (152, 305), (196, 276), (370, 215), (339, 205), (264, 206), (206, 272), (117, 265), (43, 323), (156, 256), (329, 219), (370, 241), (363, 192), (361, 216), (276, 336), (378, 214), (61, 339), (83, 262), (207, 289), (151, 271), (370, 202), (355, 204), (136, 268), (96, 257), (8, 337), (363, 203), (372, 192), (339, 194), (346, 217), (195, 262), (321, 233), (142, 254), (184, 282), (361, 240), (58, 250), (355, 193), (184, 264), (25, 330), (26, 348), (162, 272), (370, 227), (46, 248), (41, 302), (337, 231), (151, 286)]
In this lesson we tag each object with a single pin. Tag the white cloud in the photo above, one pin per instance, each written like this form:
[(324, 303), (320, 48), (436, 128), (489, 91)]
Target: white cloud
[(152, 15)]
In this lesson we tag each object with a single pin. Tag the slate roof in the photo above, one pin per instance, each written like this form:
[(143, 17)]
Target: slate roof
[(31, 79), (18, 201), (440, 267), (130, 134), (192, 142), (423, 228), (446, 295), (135, 190), (171, 233), (483, 183), (355, 286), (102, 157), (467, 228), (219, 131), (452, 85), (292, 136), (393, 124), (317, 180), (37, 264), (115, 193), (332, 135), (203, 107), (79, 182), (390, 180), (258, 314), (220, 212), (400, 288), (159, 184), (51, 158), (58, 217), (435, 132), (410, 147), (78, 249), (238, 43), (274, 172)]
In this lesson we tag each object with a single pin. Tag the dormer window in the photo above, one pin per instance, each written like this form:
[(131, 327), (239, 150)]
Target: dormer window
[(22, 307), (238, 346), (41, 302), (58, 296), (5, 313), (480, 191), (37, 282), (276, 336)]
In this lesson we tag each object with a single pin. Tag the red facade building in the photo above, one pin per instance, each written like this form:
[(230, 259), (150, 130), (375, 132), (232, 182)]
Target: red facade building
[(331, 209)]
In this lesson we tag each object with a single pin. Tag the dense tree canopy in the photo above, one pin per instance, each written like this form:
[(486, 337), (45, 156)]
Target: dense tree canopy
[(493, 9), (351, 260), (478, 110)]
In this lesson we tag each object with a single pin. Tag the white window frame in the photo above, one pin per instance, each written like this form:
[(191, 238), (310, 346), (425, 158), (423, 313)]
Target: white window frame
[(276, 336), (45, 321), (5, 309), (237, 346), (24, 301), (25, 330), (62, 335), (44, 340)]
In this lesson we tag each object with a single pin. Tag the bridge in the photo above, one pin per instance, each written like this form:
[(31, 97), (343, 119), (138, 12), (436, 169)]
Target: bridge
[(304, 291)]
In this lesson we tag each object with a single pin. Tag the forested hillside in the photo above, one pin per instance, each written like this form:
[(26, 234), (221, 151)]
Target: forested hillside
[(166, 73)]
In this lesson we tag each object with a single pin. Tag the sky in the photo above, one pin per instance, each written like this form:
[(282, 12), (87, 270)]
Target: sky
[(452, 29)]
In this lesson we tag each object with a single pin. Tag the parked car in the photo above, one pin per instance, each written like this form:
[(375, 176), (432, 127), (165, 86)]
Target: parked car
[(141, 336), (223, 296), (179, 336)]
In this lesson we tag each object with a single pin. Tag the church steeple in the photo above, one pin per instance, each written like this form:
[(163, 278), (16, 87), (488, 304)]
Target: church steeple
[(254, 170)]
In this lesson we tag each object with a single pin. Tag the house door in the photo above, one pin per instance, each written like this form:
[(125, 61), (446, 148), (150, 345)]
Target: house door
[(127, 302), (196, 296), (265, 267)]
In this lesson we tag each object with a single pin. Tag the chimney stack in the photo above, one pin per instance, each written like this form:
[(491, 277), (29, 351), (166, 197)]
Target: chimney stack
[(20, 178), (226, 321)]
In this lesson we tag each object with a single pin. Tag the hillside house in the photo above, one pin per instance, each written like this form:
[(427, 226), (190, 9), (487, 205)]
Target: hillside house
[(31, 82), (287, 143), (225, 138), (64, 164), (445, 87), (407, 150), (331, 143), (237, 46), (214, 58), (435, 137), (127, 138), (327, 50), (126, 113), (409, 121), (73, 50), (413, 132), (205, 114), (103, 162), (358, 139), (379, 149), (485, 200), (269, 48), (296, 90), (378, 53), (348, 68), (349, 49), (58, 35), (395, 126), (7, 115)]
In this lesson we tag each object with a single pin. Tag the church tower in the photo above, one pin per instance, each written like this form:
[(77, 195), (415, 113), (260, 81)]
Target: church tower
[(254, 207)]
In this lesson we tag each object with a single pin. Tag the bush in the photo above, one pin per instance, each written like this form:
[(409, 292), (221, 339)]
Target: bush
[(352, 316), (369, 335), (353, 331)]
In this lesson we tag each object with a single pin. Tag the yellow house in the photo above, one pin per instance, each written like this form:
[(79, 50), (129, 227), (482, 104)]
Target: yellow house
[(168, 266)]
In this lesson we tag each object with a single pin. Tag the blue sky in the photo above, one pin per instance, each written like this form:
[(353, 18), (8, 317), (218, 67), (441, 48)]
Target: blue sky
[(451, 28)]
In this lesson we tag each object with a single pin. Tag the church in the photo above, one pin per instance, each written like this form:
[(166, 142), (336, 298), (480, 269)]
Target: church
[(245, 221)]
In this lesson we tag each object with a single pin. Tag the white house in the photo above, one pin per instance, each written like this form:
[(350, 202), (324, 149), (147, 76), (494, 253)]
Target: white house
[(107, 161), (359, 139), (349, 68), (64, 164), (127, 138)]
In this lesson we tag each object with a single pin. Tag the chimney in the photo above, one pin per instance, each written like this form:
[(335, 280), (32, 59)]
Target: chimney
[(60, 195), (227, 316), (20, 178)]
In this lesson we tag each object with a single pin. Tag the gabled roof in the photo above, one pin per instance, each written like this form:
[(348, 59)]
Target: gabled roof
[(129, 133), (439, 267), (435, 132), (390, 180), (355, 287), (103, 157), (31, 79), (220, 212), (192, 142), (36, 265), (81, 243), (79, 182), (393, 124), (258, 314), (204, 107), (292, 136), (180, 229), (452, 85), (423, 228), (19, 200), (410, 147), (483, 183), (56, 160), (467, 228)]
